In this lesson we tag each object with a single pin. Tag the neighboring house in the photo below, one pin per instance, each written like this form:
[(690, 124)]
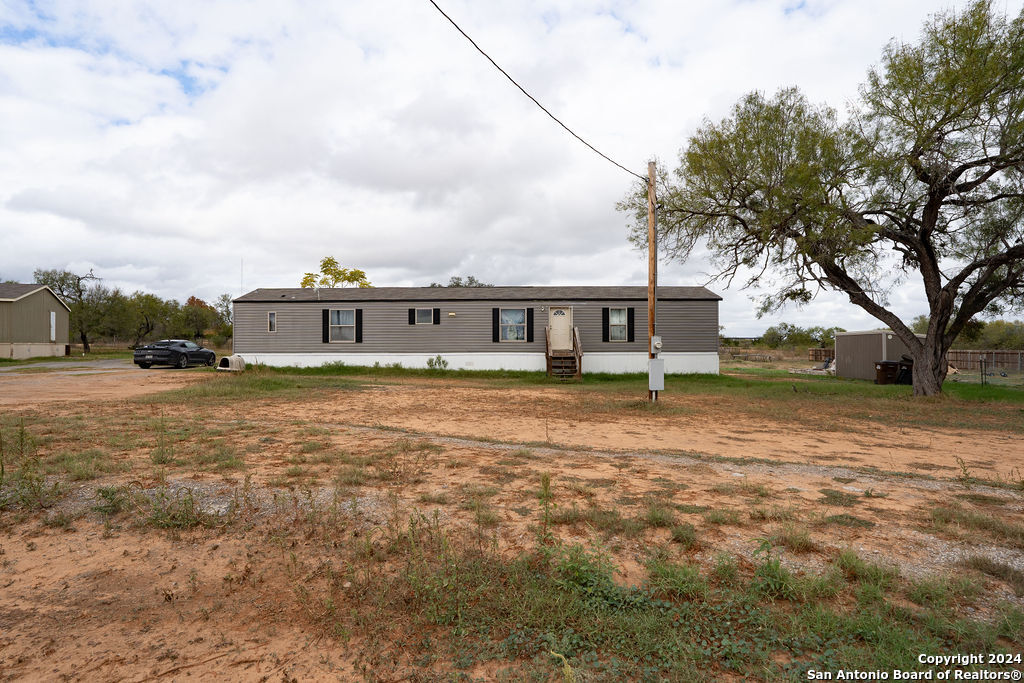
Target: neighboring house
[(562, 329), (33, 321)]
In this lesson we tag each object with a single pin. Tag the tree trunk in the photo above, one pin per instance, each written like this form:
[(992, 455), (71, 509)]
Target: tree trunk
[(930, 367), (85, 341)]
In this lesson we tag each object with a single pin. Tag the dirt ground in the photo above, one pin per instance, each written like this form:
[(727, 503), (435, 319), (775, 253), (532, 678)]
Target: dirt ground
[(86, 599)]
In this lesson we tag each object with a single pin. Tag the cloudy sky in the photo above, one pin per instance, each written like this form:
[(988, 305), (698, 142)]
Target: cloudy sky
[(164, 144)]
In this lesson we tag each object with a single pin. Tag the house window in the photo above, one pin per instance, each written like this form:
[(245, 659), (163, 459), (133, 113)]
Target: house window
[(343, 325), (513, 324), (424, 316), (53, 326), (272, 321), (617, 324)]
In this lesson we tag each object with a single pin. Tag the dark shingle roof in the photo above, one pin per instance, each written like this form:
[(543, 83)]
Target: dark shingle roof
[(14, 290), (477, 294)]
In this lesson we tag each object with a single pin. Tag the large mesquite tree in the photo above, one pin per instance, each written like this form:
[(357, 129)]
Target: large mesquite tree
[(924, 180)]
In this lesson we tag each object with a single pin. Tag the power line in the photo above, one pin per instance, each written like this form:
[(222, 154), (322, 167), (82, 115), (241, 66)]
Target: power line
[(532, 98)]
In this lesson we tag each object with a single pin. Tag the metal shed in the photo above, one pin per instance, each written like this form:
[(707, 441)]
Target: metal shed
[(857, 352)]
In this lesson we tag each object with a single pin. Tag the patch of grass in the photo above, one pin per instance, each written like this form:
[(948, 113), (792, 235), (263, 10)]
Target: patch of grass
[(1009, 533), (112, 500), (610, 522), (177, 510), (675, 580), (480, 605), (523, 454), (484, 515), (60, 520), (658, 516), (721, 516), (938, 592), (725, 569), (84, 465), (773, 514), (982, 499), (865, 572), (219, 456), (314, 446), (479, 490), (405, 461), (351, 475), (502, 475), (999, 570), (793, 537), (249, 385), (848, 520), (772, 580), (690, 509), (685, 535), (581, 489), (749, 488), (435, 498), (836, 498)]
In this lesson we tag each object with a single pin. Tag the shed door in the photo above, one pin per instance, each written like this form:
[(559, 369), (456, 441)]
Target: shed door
[(560, 322)]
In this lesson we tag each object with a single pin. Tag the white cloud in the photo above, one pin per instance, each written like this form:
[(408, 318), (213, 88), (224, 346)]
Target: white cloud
[(161, 144)]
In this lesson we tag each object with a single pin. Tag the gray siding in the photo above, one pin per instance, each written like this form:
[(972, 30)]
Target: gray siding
[(685, 326), (28, 320)]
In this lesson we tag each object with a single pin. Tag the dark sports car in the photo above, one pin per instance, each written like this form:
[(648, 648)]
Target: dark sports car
[(177, 352)]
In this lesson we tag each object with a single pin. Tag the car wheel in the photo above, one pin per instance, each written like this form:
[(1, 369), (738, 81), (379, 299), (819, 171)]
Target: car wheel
[(182, 361), (210, 361), (145, 366)]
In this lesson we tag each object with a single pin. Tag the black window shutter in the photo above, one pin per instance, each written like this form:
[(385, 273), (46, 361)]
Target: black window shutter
[(529, 324), (495, 312), (359, 326), (412, 316), (631, 323), (604, 324), (327, 326), (437, 316)]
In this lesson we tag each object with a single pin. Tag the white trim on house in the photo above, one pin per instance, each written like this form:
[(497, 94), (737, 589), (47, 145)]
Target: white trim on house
[(614, 362), (676, 362), (19, 298)]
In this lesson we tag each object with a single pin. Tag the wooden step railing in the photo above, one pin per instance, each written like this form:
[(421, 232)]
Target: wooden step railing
[(571, 360)]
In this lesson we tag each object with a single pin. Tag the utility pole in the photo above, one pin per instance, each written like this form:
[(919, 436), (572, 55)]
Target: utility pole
[(652, 269)]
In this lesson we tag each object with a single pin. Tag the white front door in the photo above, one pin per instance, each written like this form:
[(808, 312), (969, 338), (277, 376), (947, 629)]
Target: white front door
[(560, 322)]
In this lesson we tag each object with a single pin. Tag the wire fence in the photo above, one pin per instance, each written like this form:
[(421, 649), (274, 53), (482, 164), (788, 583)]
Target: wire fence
[(999, 368), (996, 376)]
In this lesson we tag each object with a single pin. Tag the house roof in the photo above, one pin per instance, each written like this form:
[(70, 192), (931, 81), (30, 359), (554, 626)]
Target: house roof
[(12, 291), (476, 294)]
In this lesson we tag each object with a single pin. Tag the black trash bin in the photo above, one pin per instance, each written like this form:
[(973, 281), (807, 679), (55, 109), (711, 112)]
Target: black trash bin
[(886, 371), (905, 375)]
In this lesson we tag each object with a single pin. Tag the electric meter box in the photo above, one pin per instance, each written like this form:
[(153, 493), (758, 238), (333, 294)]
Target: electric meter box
[(656, 374)]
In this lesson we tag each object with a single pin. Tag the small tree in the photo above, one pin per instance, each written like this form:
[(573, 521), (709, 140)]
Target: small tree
[(456, 281), (333, 275), (148, 313), (83, 294), (925, 180)]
